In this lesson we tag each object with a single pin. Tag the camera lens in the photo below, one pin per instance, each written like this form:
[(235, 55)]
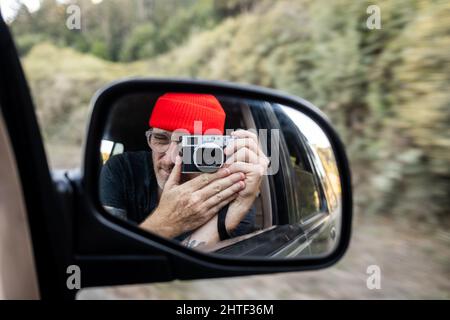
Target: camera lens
[(208, 157)]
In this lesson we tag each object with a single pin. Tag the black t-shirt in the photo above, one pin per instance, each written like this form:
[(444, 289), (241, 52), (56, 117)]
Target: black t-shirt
[(129, 188)]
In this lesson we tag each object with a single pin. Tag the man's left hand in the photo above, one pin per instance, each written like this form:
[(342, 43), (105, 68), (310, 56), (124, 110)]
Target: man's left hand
[(245, 155)]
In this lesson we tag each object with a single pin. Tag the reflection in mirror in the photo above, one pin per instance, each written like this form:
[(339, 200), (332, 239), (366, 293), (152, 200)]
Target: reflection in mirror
[(221, 174)]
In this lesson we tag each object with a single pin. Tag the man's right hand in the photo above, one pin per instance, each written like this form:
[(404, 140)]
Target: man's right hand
[(185, 207)]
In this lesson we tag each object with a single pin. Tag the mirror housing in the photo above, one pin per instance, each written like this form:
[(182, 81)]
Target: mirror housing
[(111, 251)]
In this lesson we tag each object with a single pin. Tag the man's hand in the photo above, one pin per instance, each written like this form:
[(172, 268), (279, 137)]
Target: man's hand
[(245, 155), (185, 207)]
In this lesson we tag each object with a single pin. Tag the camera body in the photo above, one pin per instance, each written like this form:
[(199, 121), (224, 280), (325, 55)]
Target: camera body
[(203, 153)]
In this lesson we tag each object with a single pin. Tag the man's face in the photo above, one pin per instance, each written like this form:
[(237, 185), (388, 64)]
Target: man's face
[(163, 162)]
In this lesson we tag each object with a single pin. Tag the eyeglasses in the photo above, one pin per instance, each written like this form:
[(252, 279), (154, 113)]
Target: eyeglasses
[(159, 141)]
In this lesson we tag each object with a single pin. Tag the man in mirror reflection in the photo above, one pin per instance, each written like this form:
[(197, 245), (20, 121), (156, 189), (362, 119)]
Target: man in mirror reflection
[(149, 188)]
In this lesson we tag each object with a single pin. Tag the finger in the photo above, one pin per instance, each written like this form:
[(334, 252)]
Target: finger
[(206, 178), (264, 162), (243, 155), (225, 194), (241, 134), (174, 177), (209, 212), (246, 167), (220, 185), (213, 210), (237, 144)]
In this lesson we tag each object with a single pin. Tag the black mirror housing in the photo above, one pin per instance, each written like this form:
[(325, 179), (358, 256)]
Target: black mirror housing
[(112, 251)]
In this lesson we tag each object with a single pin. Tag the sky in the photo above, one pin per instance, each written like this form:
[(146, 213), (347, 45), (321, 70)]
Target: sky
[(10, 7), (308, 127)]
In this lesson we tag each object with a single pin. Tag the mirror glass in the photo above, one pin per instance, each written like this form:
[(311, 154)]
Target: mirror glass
[(221, 174)]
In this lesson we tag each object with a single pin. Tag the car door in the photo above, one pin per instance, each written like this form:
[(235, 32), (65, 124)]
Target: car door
[(49, 244), (18, 278), (299, 186)]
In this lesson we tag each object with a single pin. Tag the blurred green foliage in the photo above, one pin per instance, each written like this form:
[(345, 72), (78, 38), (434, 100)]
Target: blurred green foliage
[(386, 91), (124, 30)]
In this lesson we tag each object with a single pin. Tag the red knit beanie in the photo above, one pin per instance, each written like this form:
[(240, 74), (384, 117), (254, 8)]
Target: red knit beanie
[(180, 110)]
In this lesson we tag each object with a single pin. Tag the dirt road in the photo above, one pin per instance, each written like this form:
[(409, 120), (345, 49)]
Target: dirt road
[(413, 265)]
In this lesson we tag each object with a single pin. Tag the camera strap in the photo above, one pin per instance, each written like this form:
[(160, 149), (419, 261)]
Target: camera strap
[(221, 226)]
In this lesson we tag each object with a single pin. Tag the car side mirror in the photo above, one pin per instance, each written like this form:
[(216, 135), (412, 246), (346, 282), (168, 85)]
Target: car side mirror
[(295, 215)]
